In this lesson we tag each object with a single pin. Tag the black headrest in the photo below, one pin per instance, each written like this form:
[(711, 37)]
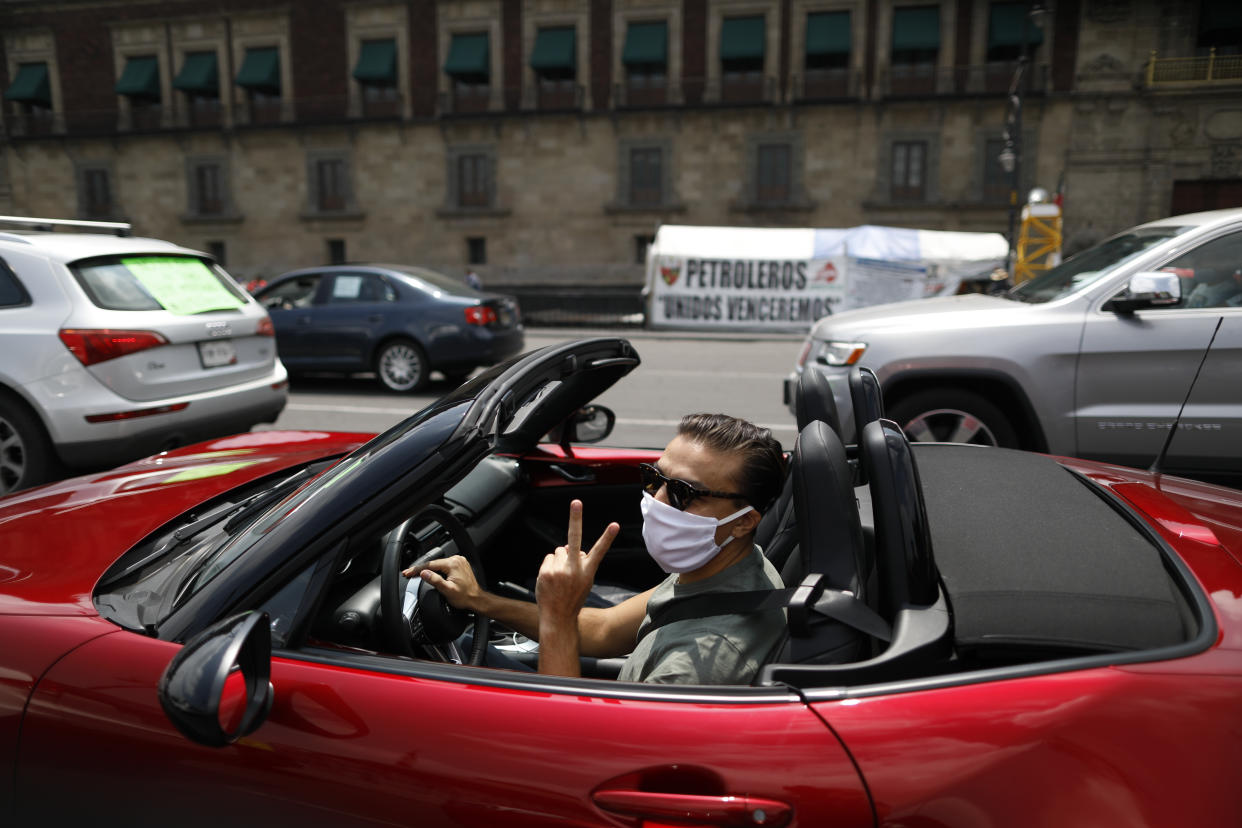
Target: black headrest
[(814, 400), (903, 549), (865, 398), (831, 539)]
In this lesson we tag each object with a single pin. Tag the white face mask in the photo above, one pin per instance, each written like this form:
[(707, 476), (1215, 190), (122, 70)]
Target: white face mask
[(680, 541)]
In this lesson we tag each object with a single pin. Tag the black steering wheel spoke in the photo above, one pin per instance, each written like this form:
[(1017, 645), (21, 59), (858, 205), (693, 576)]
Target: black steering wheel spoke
[(432, 628)]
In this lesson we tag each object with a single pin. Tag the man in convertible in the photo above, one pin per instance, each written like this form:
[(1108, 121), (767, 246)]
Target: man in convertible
[(701, 504)]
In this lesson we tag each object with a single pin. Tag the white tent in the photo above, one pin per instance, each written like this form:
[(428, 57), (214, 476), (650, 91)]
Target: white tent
[(777, 278)]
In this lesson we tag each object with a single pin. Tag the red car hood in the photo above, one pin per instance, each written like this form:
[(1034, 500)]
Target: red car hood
[(50, 566)]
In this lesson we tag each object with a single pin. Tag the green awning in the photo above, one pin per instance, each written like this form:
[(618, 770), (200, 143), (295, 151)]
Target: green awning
[(742, 38), (828, 33), (140, 78), (30, 85), (469, 56), (198, 74), (260, 70), (377, 63), (646, 44), (916, 27), (555, 49), (1006, 22)]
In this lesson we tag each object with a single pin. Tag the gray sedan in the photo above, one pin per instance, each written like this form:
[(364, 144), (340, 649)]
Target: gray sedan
[(399, 321)]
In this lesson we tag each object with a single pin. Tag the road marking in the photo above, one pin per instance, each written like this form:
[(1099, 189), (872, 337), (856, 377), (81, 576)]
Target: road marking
[(375, 409)]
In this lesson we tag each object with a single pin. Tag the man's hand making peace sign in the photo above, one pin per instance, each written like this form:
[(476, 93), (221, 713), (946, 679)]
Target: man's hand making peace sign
[(565, 580)]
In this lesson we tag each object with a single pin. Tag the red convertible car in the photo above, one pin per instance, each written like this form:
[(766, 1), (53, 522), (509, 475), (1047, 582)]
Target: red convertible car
[(221, 635)]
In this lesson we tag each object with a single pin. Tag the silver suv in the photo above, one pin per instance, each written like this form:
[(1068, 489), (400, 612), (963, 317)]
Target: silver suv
[(113, 348), (1092, 358)]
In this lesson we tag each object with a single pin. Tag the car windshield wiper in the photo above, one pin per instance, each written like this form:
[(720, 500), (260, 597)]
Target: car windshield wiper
[(236, 514)]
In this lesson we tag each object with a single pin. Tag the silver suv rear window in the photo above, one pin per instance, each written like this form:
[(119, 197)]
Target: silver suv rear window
[(179, 284)]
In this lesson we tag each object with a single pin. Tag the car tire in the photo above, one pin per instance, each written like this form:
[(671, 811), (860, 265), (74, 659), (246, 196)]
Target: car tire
[(401, 366), (953, 416), (26, 455)]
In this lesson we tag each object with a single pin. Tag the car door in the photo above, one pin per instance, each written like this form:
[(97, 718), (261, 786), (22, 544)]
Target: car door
[(352, 312), (355, 739), (1135, 370), (290, 303)]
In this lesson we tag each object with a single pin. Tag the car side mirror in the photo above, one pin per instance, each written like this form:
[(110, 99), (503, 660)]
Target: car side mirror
[(1147, 290), (218, 688), (591, 424)]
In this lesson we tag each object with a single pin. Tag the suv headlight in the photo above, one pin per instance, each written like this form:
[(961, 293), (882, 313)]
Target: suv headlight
[(838, 353)]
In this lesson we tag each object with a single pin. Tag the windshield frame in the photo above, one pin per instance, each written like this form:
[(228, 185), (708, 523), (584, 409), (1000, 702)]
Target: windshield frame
[(1066, 279)]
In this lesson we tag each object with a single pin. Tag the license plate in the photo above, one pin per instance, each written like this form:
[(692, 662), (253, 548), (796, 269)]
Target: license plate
[(217, 353)]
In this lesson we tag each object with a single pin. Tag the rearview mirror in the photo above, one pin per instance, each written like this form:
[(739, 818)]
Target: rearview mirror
[(1152, 289)]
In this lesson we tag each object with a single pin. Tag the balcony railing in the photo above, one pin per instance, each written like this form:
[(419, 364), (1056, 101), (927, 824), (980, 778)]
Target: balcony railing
[(826, 84), (916, 80), (1213, 69)]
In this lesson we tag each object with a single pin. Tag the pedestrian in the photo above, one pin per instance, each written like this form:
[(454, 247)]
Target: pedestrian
[(473, 279)]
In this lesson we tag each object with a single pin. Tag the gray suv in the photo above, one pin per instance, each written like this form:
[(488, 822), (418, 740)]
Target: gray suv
[(113, 348), (1091, 359)]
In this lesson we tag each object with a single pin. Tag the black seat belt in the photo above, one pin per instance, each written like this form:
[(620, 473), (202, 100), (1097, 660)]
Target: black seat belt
[(808, 597)]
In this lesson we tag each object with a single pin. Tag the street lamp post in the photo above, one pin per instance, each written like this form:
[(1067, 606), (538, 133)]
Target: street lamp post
[(1010, 157)]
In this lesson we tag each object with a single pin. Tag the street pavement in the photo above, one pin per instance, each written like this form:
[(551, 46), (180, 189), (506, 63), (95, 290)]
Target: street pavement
[(681, 373)]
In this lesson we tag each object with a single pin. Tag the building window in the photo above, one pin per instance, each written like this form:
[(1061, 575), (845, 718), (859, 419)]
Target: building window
[(773, 174), (336, 251), (95, 198), (996, 183), (208, 190), (1220, 28), (742, 46), (642, 243), (31, 95), (469, 67), (329, 183), (260, 78), (476, 250), (645, 61), (140, 85), (909, 170), (199, 80), (555, 63), (473, 185), (915, 50), (218, 251), (646, 176), (376, 73), (827, 59)]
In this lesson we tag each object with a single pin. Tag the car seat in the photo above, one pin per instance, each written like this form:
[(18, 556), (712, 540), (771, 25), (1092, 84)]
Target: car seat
[(777, 533)]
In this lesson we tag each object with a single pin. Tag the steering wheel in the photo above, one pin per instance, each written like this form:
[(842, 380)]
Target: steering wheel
[(429, 626)]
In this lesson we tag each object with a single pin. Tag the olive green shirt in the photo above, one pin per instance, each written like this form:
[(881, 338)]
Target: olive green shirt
[(718, 649)]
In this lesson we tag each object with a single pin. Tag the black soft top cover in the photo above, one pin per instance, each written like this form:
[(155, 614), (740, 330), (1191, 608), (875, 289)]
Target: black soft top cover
[(1032, 556)]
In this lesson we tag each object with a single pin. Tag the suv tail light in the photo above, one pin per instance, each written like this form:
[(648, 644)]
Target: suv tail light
[(92, 346), (480, 315), (265, 328)]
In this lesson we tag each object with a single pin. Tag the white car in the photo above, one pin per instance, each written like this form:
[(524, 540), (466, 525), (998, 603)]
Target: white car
[(114, 348), (1092, 358)]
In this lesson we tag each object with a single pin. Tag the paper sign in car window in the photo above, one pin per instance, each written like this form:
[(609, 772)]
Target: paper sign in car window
[(347, 287), (183, 286)]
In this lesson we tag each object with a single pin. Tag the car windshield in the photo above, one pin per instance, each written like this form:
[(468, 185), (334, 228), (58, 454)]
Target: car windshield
[(437, 281), (180, 284), (1092, 264)]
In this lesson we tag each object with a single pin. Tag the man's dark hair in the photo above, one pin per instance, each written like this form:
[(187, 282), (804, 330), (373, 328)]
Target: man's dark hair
[(763, 464)]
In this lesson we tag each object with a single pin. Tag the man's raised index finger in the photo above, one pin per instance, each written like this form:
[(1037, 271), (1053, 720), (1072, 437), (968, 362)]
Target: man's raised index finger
[(574, 542)]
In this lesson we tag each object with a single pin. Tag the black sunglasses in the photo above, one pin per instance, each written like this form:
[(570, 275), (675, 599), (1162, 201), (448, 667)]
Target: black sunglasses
[(680, 493)]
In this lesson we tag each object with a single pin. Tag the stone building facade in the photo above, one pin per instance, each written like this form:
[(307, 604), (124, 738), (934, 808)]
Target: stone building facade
[(546, 140)]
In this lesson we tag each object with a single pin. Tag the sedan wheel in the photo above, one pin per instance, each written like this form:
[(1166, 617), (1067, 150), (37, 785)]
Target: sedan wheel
[(953, 417), (401, 366)]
